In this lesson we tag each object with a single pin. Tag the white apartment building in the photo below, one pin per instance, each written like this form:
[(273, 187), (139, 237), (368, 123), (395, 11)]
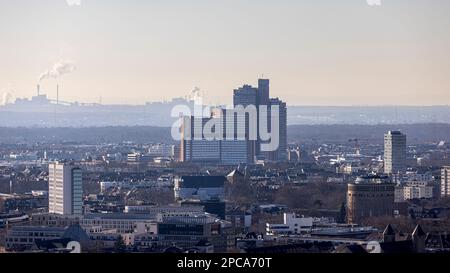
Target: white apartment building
[(445, 181), (65, 189), (399, 194), (417, 190)]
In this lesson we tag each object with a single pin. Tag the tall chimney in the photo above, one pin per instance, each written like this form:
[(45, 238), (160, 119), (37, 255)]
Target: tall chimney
[(38, 89), (57, 94)]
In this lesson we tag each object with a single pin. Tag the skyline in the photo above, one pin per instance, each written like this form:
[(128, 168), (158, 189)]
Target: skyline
[(161, 49), (225, 134), (51, 95)]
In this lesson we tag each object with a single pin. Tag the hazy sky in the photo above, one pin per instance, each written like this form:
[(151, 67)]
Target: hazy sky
[(316, 52)]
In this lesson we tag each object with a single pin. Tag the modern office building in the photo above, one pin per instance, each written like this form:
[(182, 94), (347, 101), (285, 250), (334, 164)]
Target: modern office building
[(227, 150), (280, 154), (194, 146), (207, 192), (186, 230), (237, 145), (23, 237), (235, 152), (237, 137), (445, 181), (245, 96), (394, 152), (370, 196), (65, 189), (260, 98), (119, 222), (213, 206)]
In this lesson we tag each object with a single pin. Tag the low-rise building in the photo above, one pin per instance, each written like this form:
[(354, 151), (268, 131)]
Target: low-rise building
[(23, 238), (292, 224), (54, 220), (188, 229), (121, 222), (154, 210), (417, 190)]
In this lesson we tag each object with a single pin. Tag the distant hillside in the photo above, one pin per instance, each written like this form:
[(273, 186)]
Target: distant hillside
[(138, 134), (159, 114), (417, 133)]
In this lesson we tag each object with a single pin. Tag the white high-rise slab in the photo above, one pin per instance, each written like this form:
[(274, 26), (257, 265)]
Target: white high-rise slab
[(445, 181), (394, 152), (65, 189)]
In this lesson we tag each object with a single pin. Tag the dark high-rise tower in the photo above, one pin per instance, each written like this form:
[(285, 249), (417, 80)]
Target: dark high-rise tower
[(263, 92), (248, 95), (245, 96), (281, 153)]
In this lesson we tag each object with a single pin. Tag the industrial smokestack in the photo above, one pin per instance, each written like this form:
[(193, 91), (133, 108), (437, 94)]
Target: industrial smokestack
[(38, 89), (57, 94)]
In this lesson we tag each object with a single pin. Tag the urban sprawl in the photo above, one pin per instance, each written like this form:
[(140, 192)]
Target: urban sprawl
[(197, 195)]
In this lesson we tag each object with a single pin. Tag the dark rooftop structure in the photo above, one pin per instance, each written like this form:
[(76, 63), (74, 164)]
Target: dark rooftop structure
[(202, 181)]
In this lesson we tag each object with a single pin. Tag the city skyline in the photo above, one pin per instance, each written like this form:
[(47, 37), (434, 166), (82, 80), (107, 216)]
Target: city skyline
[(316, 53), (255, 130)]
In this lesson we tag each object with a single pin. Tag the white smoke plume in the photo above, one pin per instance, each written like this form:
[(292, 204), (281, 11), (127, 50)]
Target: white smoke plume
[(195, 93), (73, 2), (6, 97), (374, 2), (57, 70)]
